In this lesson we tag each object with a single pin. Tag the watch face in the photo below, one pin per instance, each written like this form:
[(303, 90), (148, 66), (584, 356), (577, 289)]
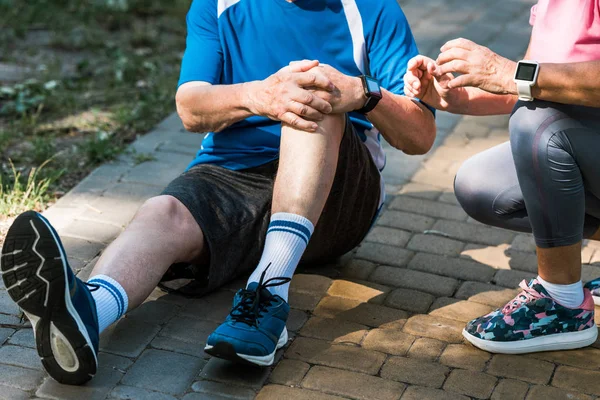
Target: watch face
[(525, 72), (373, 86)]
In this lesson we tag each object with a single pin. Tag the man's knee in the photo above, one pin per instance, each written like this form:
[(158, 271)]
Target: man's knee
[(167, 213), (332, 125)]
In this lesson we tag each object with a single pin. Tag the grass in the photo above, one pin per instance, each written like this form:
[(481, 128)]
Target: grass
[(100, 73)]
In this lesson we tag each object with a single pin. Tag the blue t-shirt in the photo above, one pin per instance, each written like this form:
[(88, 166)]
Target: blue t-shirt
[(235, 41)]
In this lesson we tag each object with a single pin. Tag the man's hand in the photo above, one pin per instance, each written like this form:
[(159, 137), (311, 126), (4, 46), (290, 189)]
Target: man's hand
[(423, 81), (285, 97), (480, 67)]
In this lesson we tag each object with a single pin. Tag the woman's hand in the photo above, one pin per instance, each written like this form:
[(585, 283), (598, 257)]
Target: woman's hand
[(423, 81), (479, 67)]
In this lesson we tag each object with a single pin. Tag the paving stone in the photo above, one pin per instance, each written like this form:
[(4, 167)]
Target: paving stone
[(234, 374), (315, 351), (496, 257), (81, 248), (214, 307), (114, 211), (413, 371), (576, 379), (289, 372), (7, 305), (389, 341), (130, 392), (449, 197), (590, 272), (523, 242), (357, 269), (282, 392), (435, 244), (12, 320), (383, 254), (303, 301), (334, 330), (442, 329), (486, 294), (470, 383), (409, 300), (430, 208), (586, 358), (458, 268), (522, 368), (157, 173), (90, 230), (163, 371), (10, 393), (510, 389), (128, 337), (225, 390), (132, 191), (178, 346), (511, 279), (361, 291), (20, 357), (463, 311), (407, 221), (296, 319), (547, 392), (351, 384), (97, 389), (426, 349), (434, 178), (412, 279), (464, 356), (422, 393), (154, 312), (310, 283), (106, 360), (189, 330), (362, 313), (389, 236), (20, 378), (85, 272), (473, 233), (5, 333), (421, 191)]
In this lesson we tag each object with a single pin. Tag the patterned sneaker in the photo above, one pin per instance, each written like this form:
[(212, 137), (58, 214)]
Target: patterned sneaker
[(59, 305), (255, 328), (532, 322), (594, 288)]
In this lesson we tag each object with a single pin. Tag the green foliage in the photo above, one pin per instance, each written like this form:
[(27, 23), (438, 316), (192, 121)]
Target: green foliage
[(101, 147), (139, 158), (19, 193), (25, 99)]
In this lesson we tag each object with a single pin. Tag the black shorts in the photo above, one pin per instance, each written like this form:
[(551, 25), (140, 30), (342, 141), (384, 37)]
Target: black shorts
[(233, 210)]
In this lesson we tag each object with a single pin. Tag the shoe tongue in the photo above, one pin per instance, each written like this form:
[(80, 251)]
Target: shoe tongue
[(537, 286), (264, 293)]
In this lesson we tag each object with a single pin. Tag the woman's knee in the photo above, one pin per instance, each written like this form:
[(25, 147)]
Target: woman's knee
[(469, 188)]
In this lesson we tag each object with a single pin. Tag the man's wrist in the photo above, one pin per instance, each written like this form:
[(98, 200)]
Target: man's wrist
[(359, 93), (247, 99), (510, 87)]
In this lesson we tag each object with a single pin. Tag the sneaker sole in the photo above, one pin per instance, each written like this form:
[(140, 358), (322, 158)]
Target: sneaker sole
[(226, 351), (557, 341), (34, 271)]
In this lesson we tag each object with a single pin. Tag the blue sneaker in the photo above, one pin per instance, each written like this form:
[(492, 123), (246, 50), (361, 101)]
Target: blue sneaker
[(59, 305), (255, 328), (594, 288)]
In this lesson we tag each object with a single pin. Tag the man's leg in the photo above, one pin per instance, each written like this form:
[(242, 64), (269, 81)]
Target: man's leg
[(67, 316), (163, 232), (255, 328), (307, 166)]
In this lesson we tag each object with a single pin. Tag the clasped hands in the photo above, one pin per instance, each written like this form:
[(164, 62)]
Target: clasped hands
[(303, 93), (434, 81)]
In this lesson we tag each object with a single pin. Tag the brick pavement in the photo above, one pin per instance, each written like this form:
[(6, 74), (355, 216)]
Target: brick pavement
[(383, 323)]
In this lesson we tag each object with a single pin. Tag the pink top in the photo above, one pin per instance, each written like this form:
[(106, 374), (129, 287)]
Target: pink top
[(565, 31)]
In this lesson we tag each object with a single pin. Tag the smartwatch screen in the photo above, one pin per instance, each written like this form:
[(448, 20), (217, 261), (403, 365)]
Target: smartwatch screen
[(373, 86), (525, 72)]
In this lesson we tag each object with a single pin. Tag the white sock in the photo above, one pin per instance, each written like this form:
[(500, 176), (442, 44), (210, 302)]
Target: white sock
[(111, 300), (287, 238), (568, 295)]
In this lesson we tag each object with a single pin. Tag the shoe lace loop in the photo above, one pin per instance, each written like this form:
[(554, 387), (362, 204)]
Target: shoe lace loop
[(252, 304), (527, 295), (93, 287)]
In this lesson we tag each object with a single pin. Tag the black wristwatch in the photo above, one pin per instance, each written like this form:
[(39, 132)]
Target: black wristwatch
[(372, 93)]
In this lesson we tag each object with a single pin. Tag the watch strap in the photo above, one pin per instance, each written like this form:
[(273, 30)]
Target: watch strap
[(372, 101), (524, 90)]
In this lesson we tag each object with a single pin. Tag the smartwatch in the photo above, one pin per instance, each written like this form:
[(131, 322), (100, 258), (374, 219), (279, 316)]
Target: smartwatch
[(372, 93), (526, 76)]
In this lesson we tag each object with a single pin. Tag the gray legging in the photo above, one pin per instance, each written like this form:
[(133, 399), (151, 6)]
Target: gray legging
[(546, 179)]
